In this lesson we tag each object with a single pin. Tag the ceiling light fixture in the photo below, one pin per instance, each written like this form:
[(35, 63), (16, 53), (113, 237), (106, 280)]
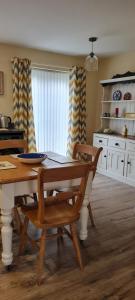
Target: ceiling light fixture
[(91, 61)]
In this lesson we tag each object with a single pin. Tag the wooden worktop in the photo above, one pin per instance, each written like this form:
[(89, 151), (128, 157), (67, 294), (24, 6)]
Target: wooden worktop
[(130, 137)]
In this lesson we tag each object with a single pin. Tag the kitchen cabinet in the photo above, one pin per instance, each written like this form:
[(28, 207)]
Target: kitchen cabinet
[(117, 160), (102, 162), (130, 171)]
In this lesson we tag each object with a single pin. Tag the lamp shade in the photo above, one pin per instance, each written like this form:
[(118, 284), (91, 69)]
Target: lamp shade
[(91, 63)]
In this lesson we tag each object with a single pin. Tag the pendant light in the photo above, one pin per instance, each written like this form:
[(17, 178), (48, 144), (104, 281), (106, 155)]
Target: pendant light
[(91, 61)]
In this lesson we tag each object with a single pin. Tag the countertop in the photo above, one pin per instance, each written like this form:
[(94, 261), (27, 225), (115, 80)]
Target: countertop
[(130, 137)]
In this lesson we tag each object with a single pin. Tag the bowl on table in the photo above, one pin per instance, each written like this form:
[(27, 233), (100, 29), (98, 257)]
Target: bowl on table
[(31, 158)]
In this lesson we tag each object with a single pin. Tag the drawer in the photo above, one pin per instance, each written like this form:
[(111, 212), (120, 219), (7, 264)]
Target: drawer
[(117, 144), (100, 141), (131, 146)]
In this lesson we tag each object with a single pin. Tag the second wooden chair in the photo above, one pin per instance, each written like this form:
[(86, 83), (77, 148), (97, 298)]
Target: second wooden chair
[(89, 154)]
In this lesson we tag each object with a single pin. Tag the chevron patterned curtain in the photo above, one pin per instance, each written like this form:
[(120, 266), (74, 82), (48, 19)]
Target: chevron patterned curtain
[(22, 100), (77, 108)]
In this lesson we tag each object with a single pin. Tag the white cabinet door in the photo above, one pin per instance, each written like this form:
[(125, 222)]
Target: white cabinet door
[(102, 162), (115, 162), (131, 166)]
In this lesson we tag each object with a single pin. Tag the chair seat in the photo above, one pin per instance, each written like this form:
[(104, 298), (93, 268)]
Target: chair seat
[(55, 215)]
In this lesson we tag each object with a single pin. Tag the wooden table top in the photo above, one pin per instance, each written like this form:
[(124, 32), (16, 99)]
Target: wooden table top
[(25, 172)]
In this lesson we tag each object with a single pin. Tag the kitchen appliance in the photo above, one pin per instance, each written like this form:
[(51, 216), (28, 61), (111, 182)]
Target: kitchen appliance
[(5, 122)]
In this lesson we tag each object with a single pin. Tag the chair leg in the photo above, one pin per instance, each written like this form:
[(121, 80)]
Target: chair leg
[(91, 215), (17, 219), (35, 197), (41, 256), (76, 244), (60, 238), (23, 238)]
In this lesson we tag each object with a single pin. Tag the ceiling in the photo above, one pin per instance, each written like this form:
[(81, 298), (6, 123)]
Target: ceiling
[(64, 26)]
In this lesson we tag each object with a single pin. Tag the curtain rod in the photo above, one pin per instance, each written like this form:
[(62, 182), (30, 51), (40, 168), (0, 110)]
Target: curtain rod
[(50, 68)]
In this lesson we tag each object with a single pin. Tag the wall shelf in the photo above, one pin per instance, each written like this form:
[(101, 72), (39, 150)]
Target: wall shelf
[(118, 118), (118, 102), (117, 109), (124, 80)]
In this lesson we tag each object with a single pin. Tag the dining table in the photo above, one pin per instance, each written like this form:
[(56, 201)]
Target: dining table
[(18, 178)]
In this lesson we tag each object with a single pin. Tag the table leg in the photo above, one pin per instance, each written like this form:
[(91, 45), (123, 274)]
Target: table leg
[(6, 232), (6, 205), (84, 215)]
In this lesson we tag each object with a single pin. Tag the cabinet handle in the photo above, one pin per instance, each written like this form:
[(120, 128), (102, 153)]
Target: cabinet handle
[(100, 141), (105, 155), (116, 144), (122, 160), (129, 163)]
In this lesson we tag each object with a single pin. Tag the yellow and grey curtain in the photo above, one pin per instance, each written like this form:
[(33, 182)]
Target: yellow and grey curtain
[(22, 100), (77, 108)]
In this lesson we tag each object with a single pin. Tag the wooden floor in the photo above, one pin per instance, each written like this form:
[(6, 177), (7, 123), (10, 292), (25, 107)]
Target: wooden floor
[(109, 255)]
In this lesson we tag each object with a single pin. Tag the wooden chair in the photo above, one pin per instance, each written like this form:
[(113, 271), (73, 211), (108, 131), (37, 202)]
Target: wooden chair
[(55, 211), (90, 154), (21, 145), (12, 144)]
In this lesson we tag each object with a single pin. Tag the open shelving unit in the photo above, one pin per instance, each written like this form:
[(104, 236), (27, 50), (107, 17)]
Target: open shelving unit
[(117, 159), (109, 105)]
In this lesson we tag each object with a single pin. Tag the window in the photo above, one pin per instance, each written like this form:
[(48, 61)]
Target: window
[(50, 92)]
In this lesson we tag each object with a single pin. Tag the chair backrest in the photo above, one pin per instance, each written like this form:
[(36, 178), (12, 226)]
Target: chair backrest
[(63, 174), (12, 144), (92, 153)]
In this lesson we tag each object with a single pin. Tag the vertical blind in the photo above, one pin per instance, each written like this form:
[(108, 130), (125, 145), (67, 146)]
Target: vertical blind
[(50, 93)]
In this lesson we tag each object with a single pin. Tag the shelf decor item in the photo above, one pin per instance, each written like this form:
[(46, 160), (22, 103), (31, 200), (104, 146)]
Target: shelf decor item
[(117, 112), (124, 131), (126, 74), (117, 95), (127, 96), (130, 115)]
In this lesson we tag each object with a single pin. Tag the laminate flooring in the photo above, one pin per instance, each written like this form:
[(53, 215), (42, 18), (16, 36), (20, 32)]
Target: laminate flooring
[(108, 255)]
